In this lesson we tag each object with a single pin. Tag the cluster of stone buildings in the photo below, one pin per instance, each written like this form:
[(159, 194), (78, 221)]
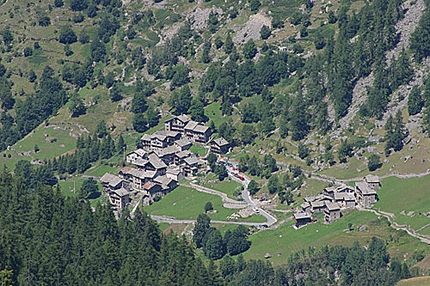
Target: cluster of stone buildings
[(164, 159), (334, 199)]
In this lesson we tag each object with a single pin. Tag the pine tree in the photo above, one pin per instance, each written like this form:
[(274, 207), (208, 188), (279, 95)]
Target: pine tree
[(415, 101)]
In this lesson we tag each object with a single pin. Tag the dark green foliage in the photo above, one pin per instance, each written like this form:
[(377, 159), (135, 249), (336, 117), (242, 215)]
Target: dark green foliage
[(44, 21), (88, 189), (303, 151), (218, 42), (78, 5), (180, 76), (332, 17), (139, 122), (249, 49), (420, 42), (98, 49), (208, 207), (221, 172), (265, 32), (374, 162), (273, 184), (277, 22), (228, 45), (153, 117), (58, 3), (415, 101), (76, 106), (139, 102), (69, 244), (180, 100), (197, 110), (78, 18), (247, 134), (205, 55), (213, 22), (201, 228), (214, 248), (254, 5), (253, 187), (212, 158), (6, 98), (67, 35), (345, 150), (299, 124), (236, 241), (115, 93), (7, 37), (395, 134)]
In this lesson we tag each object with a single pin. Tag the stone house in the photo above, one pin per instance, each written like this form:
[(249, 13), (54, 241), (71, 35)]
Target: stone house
[(302, 219), (331, 212), (220, 146), (366, 196)]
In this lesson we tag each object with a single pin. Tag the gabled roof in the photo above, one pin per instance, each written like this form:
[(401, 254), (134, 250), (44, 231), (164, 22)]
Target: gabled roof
[(192, 160), (201, 128), (121, 192), (365, 189), (160, 137), (175, 171), (332, 206), (110, 179), (317, 204), (149, 185), (191, 125), (183, 154), (302, 216), (182, 142), (156, 162), (163, 180), (220, 142), (372, 179), (146, 137), (183, 117), (170, 150)]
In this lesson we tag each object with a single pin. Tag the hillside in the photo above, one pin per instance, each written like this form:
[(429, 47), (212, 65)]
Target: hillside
[(308, 93)]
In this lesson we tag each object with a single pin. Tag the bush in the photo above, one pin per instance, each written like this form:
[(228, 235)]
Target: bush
[(374, 162), (208, 207), (67, 35), (28, 52)]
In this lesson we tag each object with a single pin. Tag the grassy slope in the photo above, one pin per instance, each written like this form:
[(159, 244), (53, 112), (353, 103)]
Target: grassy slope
[(416, 281), (397, 195), (286, 240), (187, 203)]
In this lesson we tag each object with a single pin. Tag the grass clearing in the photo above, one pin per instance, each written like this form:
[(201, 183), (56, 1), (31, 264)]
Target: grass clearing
[(227, 186), (408, 195), (199, 149), (285, 240), (187, 203), (213, 112), (416, 281)]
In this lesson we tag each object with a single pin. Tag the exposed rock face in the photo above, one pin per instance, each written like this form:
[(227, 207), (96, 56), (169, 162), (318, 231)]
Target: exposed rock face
[(405, 27), (252, 28)]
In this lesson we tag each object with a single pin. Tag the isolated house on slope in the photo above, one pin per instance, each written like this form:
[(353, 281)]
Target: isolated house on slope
[(366, 196), (220, 146)]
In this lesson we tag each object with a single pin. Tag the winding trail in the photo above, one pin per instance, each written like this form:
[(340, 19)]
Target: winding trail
[(390, 217)]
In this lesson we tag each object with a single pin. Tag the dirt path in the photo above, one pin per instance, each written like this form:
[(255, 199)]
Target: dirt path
[(227, 202), (397, 226)]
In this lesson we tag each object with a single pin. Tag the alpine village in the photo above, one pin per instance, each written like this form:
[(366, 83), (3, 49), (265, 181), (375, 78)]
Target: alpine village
[(215, 142)]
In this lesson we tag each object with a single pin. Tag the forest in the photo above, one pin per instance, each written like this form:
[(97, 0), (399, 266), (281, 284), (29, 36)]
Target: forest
[(47, 239)]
